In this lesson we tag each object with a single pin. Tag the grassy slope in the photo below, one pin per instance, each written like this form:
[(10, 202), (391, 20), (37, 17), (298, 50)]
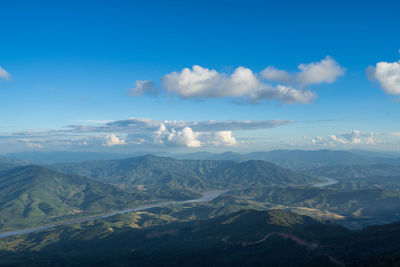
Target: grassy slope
[(33, 195)]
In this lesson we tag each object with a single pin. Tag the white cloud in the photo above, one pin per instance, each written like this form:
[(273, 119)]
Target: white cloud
[(317, 140), (273, 74), (352, 138), (38, 144), (325, 71), (337, 140), (140, 131), (388, 76), (224, 138), (143, 87), (4, 74), (185, 138), (189, 138), (246, 86), (160, 134), (113, 140), (200, 82), (285, 94)]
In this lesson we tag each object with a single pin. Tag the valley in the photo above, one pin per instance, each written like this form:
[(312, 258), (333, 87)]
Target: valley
[(213, 204)]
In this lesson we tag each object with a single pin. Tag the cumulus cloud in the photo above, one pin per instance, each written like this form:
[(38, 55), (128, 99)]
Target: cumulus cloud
[(325, 71), (243, 83), (354, 137), (143, 87), (200, 82), (387, 74), (177, 133), (273, 74), (4, 74), (246, 86), (285, 94), (189, 138), (317, 140), (185, 138), (224, 138), (113, 140)]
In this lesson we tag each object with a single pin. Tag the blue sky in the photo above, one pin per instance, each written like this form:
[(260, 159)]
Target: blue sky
[(76, 63)]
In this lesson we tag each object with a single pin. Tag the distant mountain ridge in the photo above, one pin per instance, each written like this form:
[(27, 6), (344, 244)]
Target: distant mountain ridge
[(9, 163), (292, 159), (357, 171), (299, 159), (196, 175)]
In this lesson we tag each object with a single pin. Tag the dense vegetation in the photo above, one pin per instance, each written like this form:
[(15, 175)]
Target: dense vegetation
[(195, 175), (357, 177), (33, 195), (243, 238), (353, 209), (260, 222)]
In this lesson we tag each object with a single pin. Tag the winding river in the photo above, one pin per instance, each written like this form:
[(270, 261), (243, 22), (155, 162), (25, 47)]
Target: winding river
[(329, 181), (207, 196)]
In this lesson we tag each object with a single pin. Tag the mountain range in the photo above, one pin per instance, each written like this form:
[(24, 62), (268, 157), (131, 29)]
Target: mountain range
[(33, 195), (195, 175), (292, 159)]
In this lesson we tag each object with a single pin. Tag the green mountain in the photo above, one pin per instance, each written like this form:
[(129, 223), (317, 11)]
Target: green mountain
[(243, 238), (149, 172), (353, 209), (360, 177), (225, 240), (33, 195)]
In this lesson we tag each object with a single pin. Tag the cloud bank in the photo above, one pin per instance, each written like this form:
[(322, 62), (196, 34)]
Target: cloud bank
[(143, 125), (142, 131), (351, 138)]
